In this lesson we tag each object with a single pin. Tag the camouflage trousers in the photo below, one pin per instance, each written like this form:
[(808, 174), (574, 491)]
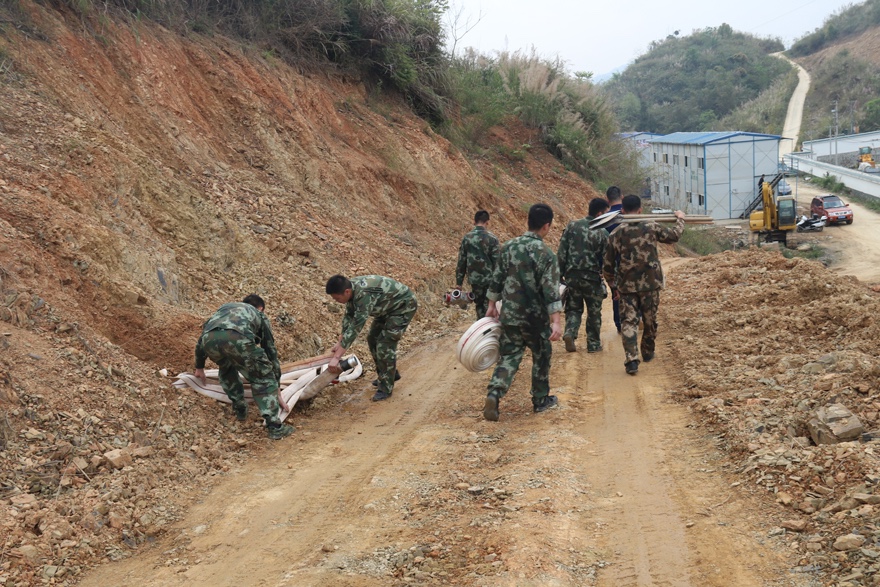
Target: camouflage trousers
[(512, 346), (481, 302), (632, 305), (234, 353), (385, 333), (578, 295)]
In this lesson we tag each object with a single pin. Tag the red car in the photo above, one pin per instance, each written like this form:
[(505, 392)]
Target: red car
[(831, 206)]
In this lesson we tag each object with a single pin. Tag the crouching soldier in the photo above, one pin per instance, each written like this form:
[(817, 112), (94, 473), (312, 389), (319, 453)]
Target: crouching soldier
[(239, 339), (392, 306)]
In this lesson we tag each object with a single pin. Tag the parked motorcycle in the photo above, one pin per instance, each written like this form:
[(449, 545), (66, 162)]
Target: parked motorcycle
[(814, 224)]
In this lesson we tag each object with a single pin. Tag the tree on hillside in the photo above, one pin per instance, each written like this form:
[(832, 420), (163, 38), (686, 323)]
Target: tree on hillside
[(689, 83)]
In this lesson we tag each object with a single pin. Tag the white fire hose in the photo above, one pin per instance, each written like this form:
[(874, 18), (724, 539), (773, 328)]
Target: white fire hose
[(304, 382), (478, 348)]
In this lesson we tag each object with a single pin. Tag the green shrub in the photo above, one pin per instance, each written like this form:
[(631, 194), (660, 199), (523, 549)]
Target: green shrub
[(830, 183), (567, 110), (705, 241)]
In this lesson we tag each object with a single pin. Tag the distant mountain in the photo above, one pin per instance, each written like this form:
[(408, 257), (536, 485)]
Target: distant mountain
[(690, 83), (604, 77)]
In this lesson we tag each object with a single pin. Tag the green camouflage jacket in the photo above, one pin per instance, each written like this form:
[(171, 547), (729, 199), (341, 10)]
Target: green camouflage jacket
[(246, 320), (477, 256), (526, 280), (581, 250), (632, 263), (372, 295)]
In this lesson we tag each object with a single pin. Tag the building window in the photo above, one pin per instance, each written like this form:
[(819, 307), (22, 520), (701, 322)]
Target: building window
[(655, 156), (666, 190), (701, 163), (666, 157), (675, 159), (702, 199), (686, 160), (690, 195)]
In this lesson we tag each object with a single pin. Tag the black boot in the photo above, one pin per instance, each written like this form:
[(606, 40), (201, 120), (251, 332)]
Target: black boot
[(396, 378), (545, 403), (490, 408)]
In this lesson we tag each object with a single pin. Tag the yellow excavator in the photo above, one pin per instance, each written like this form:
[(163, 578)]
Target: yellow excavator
[(777, 216), (866, 160)]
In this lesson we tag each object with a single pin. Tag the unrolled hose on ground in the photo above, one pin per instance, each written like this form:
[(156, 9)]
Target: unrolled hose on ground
[(294, 383)]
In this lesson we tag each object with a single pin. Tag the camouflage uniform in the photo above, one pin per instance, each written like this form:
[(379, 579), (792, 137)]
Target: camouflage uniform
[(581, 250), (392, 306), (638, 277), (239, 339), (615, 304), (477, 257), (526, 280)]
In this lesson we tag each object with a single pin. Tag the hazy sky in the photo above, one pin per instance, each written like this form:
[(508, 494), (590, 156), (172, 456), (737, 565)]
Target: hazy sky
[(603, 35)]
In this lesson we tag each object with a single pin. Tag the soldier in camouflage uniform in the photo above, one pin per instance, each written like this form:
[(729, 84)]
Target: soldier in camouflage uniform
[(239, 339), (637, 278), (612, 194), (392, 306), (477, 256), (526, 280), (581, 250)]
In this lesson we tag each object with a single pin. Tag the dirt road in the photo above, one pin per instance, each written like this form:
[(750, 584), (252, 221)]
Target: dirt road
[(856, 246), (614, 488), (791, 129)]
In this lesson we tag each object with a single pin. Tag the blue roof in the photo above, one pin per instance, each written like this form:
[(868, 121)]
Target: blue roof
[(629, 135), (705, 138)]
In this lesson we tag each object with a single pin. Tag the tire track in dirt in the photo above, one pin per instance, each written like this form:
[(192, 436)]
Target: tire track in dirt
[(643, 534), (654, 487)]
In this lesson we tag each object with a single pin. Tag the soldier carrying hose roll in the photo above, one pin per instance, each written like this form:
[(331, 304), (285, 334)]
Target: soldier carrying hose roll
[(526, 280)]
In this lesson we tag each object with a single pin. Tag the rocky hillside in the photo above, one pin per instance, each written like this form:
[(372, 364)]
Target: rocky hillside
[(147, 178), (843, 59)]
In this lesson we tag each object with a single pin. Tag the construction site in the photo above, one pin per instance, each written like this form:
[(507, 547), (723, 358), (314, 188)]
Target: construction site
[(147, 181)]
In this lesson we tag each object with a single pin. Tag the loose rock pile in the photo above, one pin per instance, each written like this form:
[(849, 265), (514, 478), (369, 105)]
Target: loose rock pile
[(779, 354)]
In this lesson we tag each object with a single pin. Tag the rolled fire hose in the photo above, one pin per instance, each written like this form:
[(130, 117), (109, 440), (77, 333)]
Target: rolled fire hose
[(478, 348)]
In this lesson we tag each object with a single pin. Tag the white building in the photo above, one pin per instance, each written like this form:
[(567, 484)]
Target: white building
[(713, 173), (640, 141), (842, 144)]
